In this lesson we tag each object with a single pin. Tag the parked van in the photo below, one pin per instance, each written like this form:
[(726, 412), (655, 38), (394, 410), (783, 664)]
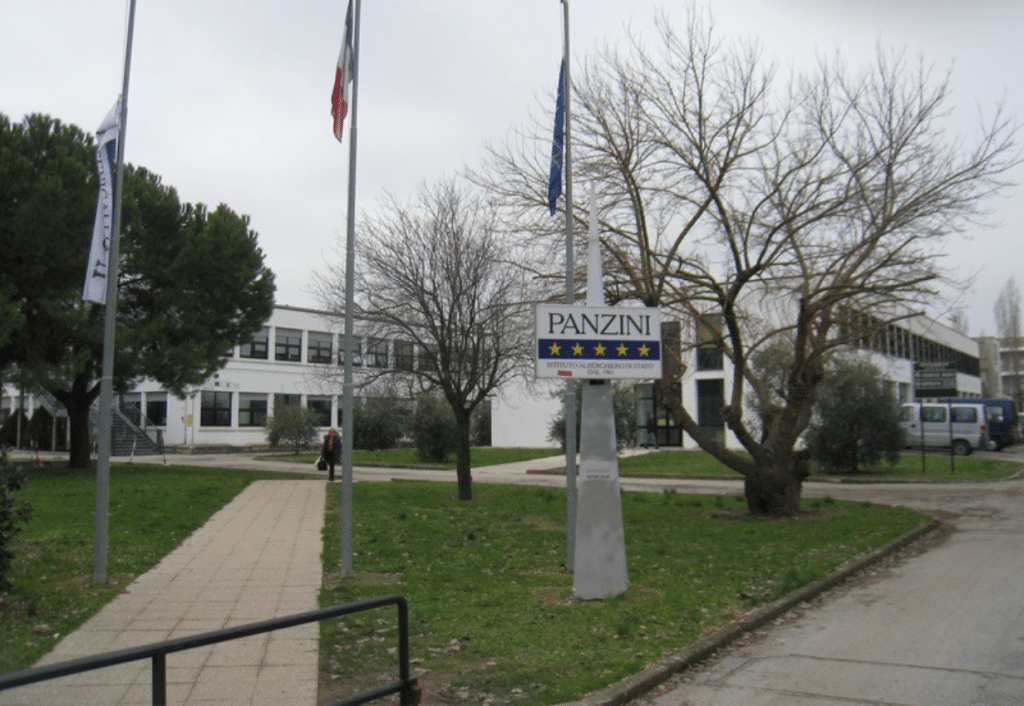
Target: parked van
[(961, 427), (1000, 416)]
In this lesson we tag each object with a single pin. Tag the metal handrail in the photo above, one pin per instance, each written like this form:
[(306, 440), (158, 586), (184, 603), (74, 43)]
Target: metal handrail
[(158, 651)]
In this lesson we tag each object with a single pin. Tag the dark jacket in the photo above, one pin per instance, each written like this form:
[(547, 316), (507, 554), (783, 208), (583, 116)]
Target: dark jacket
[(331, 453)]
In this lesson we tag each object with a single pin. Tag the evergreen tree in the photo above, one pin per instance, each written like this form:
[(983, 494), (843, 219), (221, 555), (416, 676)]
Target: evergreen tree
[(857, 420), (192, 283)]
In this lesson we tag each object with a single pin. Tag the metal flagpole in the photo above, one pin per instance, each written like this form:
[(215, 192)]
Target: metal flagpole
[(99, 572), (350, 263), (570, 298)]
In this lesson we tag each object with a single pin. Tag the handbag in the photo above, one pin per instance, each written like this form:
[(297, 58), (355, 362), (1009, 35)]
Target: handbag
[(321, 464)]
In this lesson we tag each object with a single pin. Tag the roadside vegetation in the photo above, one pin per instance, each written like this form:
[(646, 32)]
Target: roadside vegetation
[(408, 457), (492, 617), (935, 468), (700, 464)]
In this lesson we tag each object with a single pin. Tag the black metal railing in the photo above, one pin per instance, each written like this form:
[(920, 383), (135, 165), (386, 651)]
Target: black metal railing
[(158, 651)]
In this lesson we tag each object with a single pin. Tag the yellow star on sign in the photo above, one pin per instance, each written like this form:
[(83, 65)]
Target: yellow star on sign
[(644, 351), (599, 349), (577, 349), (555, 349), (623, 351)]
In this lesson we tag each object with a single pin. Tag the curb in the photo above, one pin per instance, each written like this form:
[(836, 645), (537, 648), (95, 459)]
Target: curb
[(651, 676)]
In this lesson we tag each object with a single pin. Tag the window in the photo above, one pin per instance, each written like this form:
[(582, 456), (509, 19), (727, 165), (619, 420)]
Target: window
[(710, 400), (709, 359), (377, 353), (404, 355), (709, 346), (318, 349), (156, 409), (288, 345), (131, 407), (283, 400), (322, 406), (428, 357), (357, 350), (967, 415), (933, 414), (252, 409), (215, 409), (258, 347)]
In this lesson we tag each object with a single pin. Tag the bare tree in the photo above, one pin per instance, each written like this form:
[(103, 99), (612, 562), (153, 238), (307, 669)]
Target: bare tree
[(433, 275), (1008, 321), (782, 213)]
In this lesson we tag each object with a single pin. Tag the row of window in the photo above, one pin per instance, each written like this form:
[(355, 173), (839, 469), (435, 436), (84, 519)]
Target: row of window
[(253, 408), (369, 352), (865, 332)]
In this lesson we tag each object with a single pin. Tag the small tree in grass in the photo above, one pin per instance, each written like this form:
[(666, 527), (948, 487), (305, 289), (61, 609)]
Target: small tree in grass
[(378, 423), (624, 409), (857, 420), (294, 425), (433, 429)]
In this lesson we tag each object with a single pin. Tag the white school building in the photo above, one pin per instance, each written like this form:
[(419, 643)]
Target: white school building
[(295, 358)]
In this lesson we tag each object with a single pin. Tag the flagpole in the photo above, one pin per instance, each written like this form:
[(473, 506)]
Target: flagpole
[(350, 263), (109, 325), (570, 298)]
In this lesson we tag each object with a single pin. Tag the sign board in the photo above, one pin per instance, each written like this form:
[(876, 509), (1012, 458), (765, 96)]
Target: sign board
[(598, 343), (936, 379)]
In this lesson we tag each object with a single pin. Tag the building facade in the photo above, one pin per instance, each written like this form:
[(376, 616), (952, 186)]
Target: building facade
[(296, 359), (896, 349)]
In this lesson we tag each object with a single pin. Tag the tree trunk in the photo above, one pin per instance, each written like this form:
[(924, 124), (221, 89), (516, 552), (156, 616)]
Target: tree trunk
[(463, 470), (77, 401), (775, 491)]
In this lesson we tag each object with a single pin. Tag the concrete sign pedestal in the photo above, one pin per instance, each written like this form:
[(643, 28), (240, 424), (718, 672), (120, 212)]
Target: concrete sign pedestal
[(600, 557)]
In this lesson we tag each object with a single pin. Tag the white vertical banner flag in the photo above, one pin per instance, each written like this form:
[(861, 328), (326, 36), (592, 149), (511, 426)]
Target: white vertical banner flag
[(95, 288)]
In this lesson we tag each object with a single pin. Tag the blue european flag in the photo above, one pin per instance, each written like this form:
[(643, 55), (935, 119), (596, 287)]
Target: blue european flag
[(557, 145)]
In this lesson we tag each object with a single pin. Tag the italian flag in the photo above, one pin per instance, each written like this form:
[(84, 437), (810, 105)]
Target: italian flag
[(343, 77)]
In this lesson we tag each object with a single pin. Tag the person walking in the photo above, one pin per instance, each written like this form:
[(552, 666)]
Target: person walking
[(330, 451), (652, 431)]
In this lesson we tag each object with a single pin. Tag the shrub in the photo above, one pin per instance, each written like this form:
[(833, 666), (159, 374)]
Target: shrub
[(624, 404), (13, 515), (293, 425), (857, 420), (480, 425), (433, 429), (40, 429), (9, 429), (378, 423)]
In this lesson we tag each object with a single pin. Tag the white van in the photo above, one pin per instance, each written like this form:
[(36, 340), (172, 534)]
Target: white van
[(960, 426)]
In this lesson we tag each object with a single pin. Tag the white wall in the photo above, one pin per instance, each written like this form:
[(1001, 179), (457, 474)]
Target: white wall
[(521, 415)]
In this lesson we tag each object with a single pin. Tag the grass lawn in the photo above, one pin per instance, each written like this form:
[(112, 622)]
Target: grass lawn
[(152, 510), (699, 464), (491, 607), (490, 600), (675, 462)]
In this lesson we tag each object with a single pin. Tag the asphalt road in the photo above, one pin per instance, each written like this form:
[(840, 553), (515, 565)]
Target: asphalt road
[(942, 625)]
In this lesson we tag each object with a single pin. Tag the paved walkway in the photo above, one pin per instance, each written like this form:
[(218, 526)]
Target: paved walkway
[(258, 558)]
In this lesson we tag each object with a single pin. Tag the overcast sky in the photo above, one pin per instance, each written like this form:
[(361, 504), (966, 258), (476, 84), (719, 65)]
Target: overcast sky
[(229, 100)]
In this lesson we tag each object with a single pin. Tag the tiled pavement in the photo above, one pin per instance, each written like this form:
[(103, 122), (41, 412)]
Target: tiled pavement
[(257, 558)]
